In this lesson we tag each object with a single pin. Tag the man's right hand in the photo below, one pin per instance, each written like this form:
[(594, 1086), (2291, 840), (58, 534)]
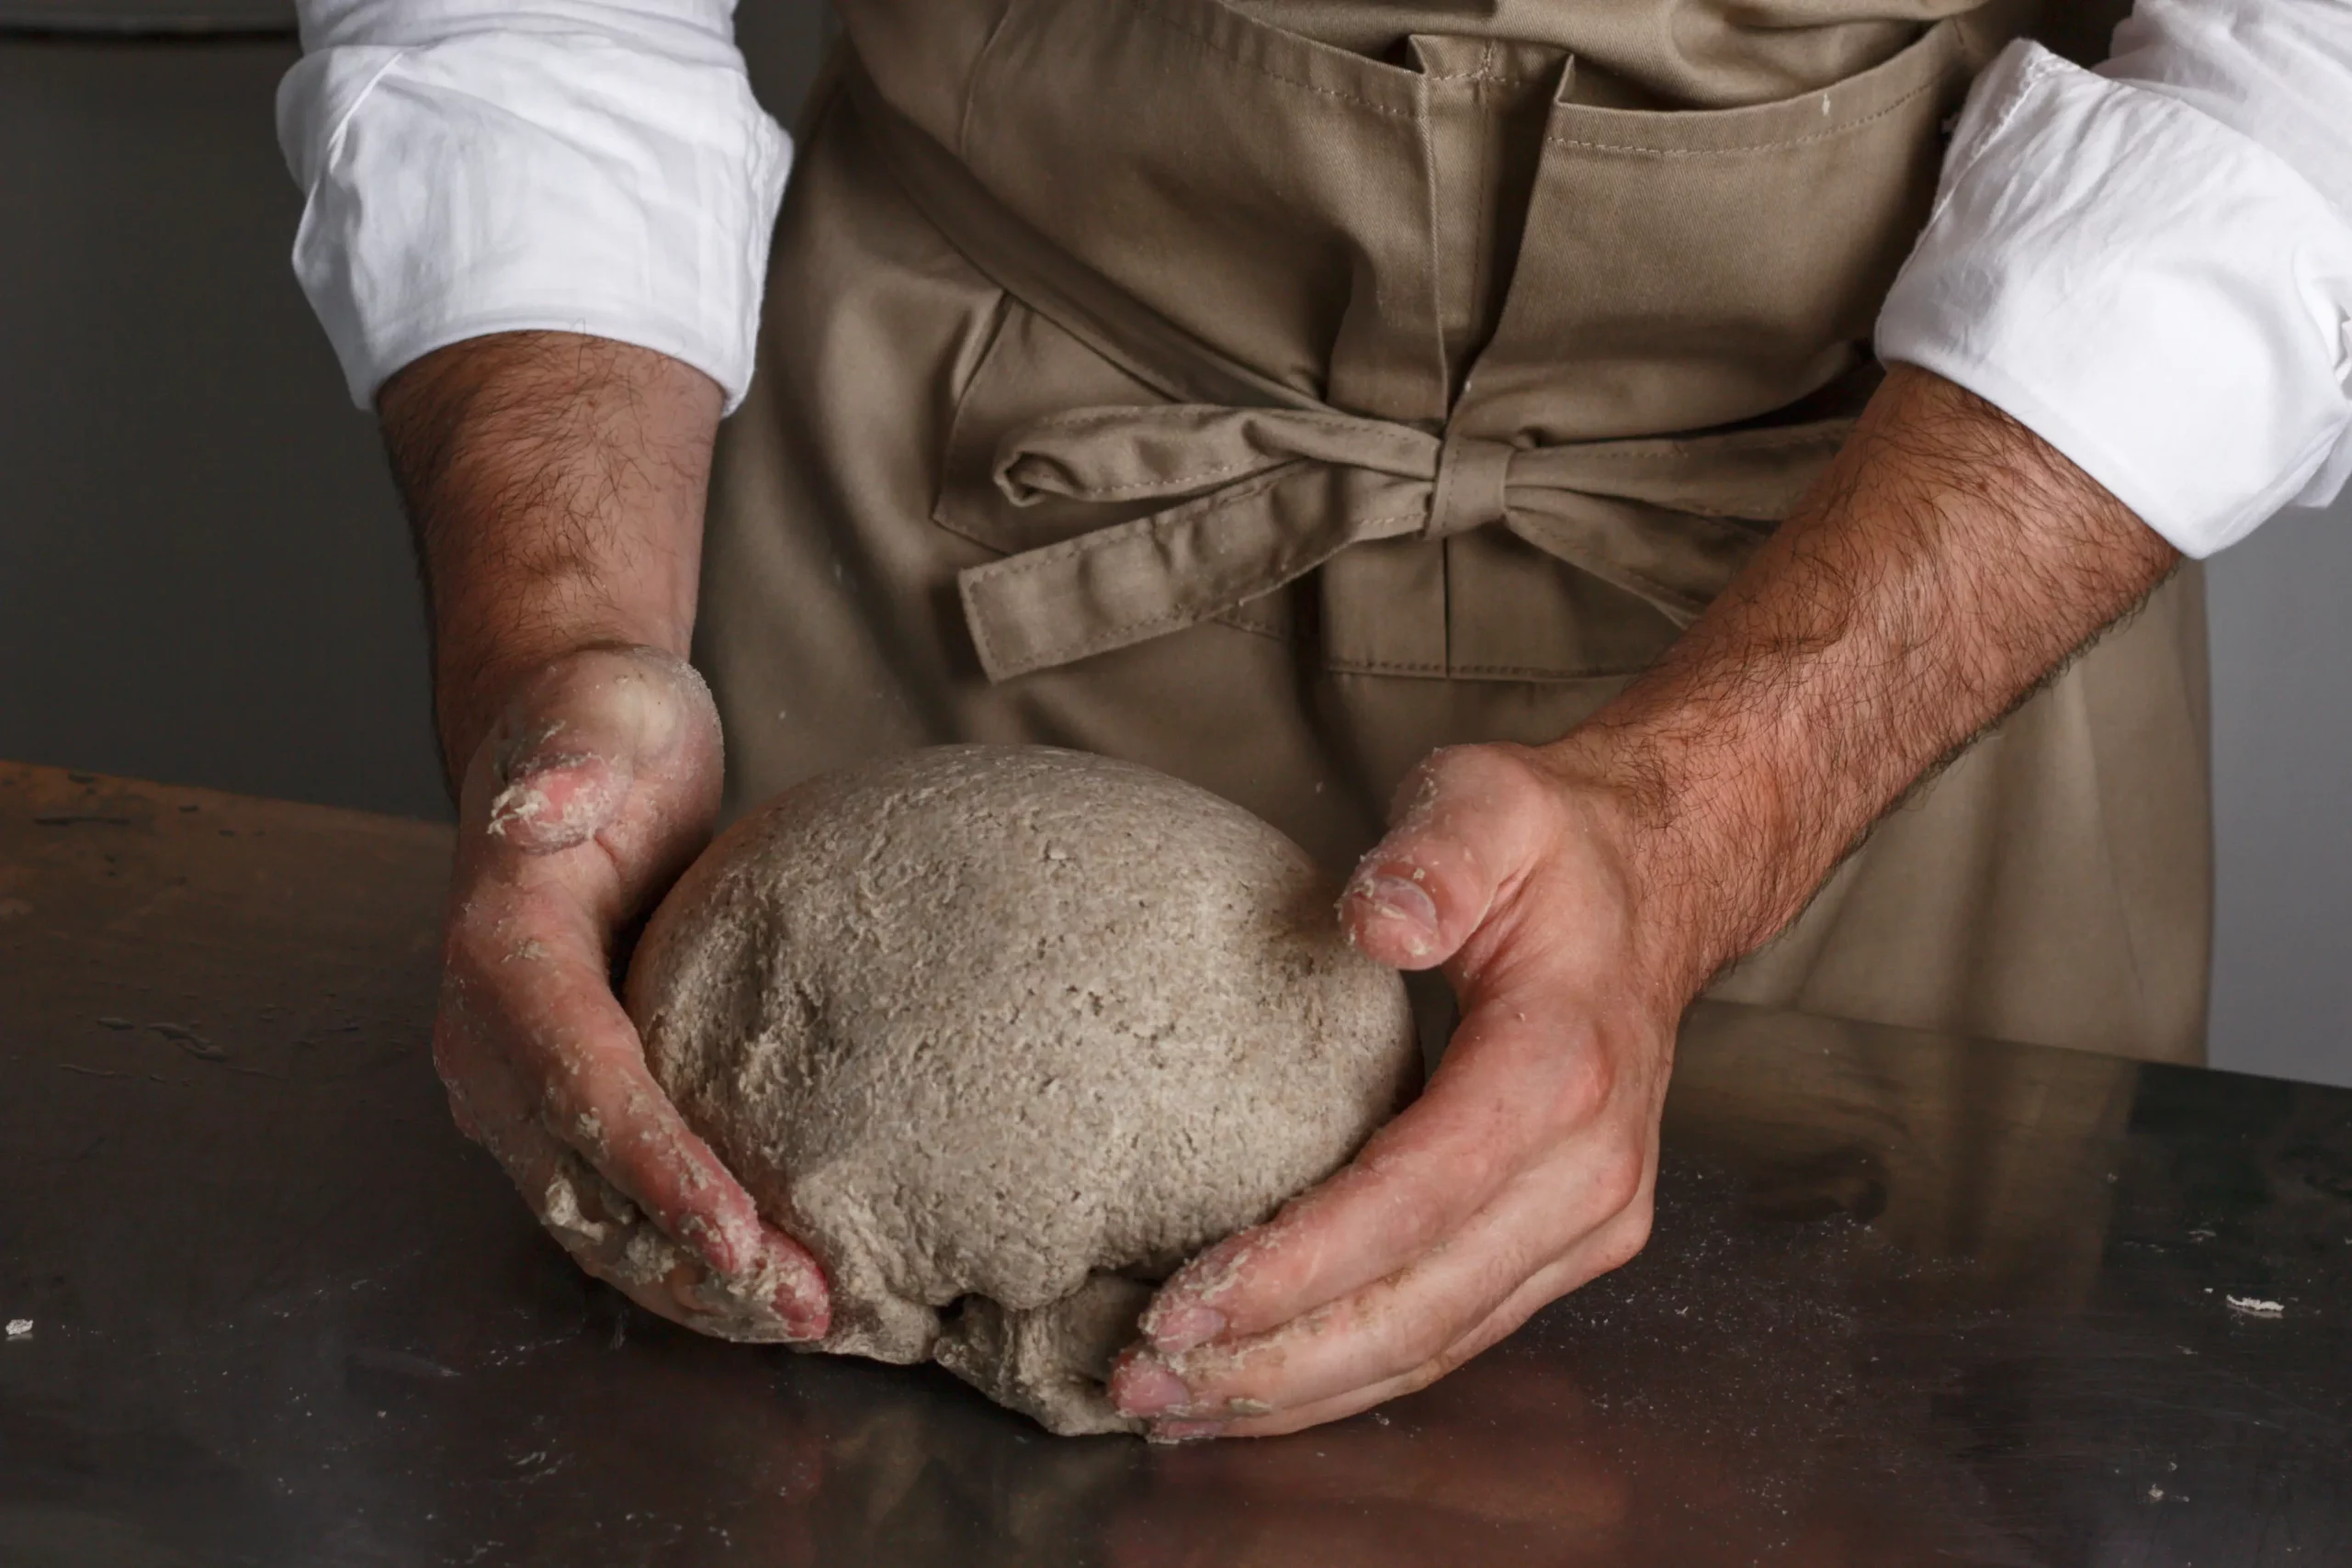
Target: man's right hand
[(592, 790), (556, 485)]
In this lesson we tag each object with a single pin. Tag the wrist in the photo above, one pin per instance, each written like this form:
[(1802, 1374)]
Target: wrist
[(555, 483), (478, 692), (1693, 864), (1945, 563), (609, 695)]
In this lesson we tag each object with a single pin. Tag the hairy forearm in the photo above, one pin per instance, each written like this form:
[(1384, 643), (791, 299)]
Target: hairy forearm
[(1945, 565), (556, 486)]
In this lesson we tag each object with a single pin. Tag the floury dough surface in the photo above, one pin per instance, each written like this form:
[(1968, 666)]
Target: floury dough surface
[(1003, 1034)]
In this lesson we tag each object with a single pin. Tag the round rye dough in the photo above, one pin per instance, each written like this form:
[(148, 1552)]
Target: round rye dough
[(1003, 1036)]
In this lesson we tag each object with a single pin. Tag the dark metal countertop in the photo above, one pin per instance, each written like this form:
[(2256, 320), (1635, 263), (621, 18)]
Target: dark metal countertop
[(1911, 1300)]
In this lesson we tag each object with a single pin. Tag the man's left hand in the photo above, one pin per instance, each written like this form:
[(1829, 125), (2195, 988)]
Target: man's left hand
[(1526, 1168), (1578, 895)]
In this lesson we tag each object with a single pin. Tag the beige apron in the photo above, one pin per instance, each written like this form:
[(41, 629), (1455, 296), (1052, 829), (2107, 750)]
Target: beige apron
[(1272, 392)]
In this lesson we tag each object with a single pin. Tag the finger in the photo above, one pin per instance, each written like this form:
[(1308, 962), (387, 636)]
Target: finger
[(610, 1238), (551, 800), (599, 1098), (1601, 1252), (1339, 1407), (1399, 1321), (619, 748), (613, 1238), (1470, 824), (1512, 1084), (546, 999)]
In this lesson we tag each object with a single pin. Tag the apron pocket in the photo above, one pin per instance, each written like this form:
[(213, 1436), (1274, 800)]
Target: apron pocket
[(1690, 269)]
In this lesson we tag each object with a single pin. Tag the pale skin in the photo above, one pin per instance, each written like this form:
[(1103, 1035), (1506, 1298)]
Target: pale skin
[(1577, 896)]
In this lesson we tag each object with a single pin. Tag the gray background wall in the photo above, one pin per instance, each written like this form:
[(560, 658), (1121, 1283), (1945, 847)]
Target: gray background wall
[(204, 577)]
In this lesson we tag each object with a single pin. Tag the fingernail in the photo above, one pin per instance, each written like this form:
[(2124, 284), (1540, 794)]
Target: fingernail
[(798, 1320), (1185, 1431), (1180, 1329), (1145, 1390), (1395, 898), (720, 1252), (555, 803), (800, 1282)]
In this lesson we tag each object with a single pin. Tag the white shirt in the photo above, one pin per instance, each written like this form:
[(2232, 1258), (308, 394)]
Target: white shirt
[(2149, 266)]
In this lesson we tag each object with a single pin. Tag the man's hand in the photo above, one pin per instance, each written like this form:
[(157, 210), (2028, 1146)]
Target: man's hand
[(593, 789), (556, 485), (1578, 895), (1525, 1169)]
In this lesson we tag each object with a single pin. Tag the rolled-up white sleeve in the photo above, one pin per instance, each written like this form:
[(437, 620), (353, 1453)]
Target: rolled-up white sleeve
[(2151, 265), (595, 166)]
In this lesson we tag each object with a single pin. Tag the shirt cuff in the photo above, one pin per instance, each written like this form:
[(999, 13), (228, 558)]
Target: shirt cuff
[(2161, 299), (500, 182)]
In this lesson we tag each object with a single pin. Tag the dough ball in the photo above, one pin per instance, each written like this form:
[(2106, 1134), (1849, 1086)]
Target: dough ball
[(1005, 1035)]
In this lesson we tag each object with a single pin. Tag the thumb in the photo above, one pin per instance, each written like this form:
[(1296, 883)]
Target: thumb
[(1468, 825), (610, 741)]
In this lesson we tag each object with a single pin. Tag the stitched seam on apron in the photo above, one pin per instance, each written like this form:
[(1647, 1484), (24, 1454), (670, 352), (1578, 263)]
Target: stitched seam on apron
[(1052, 555), (1233, 618), (1080, 419), (1480, 282), (1132, 632), (1666, 591), (1486, 72), (1170, 484), (1213, 47), (1742, 149), (1537, 673), (2029, 79), (1088, 420), (1763, 440)]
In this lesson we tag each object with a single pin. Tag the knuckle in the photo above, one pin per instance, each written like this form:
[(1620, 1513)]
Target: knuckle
[(557, 1100), (469, 956), (1426, 1341), (1423, 1375), (1418, 1336), (1620, 1252), (1620, 1176), (1507, 773), (1423, 1213), (1588, 1078), (1625, 1242)]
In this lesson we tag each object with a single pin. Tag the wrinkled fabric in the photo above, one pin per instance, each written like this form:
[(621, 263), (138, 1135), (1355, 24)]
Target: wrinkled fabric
[(2163, 298), (1476, 428), (1150, 301), (571, 165)]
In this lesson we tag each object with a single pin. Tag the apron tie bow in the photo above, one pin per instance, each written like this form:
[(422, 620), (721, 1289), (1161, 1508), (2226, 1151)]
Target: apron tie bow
[(1257, 497), (1473, 486)]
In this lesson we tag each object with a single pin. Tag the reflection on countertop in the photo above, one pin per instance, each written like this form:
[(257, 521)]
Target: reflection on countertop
[(1908, 1299)]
